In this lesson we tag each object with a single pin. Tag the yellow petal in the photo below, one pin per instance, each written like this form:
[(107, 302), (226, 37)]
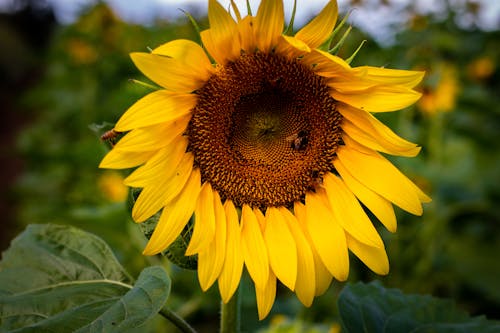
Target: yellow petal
[(348, 83), (152, 198), (421, 195), (230, 275), (168, 72), (375, 133), (162, 165), (373, 257), (360, 148), (319, 29), (211, 259), (204, 217), (265, 296), (327, 235), (188, 53), (378, 98), (292, 47), (408, 79), (120, 159), (155, 196), (246, 29), (365, 77), (269, 24), (175, 216), (322, 277), (379, 206), (223, 34), (281, 248), (260, 218), (254, 248), (305, 284), (328, 65), (379, 175), (153, 137), (348, 212), (157, 107), (375, 143), (348, 141)]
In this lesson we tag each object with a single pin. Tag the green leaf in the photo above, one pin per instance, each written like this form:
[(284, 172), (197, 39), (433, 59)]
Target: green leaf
[(61, 279), (137, 306), (373, 308)]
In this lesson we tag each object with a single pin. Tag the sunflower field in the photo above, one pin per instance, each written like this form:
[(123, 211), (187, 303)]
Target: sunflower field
[(72, 254)]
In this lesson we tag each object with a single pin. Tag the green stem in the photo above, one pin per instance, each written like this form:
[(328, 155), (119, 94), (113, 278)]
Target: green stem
[(230, 315), (175, 319)]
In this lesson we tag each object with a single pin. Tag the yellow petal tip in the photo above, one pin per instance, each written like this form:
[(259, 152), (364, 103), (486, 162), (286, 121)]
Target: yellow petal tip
[(149, 251)]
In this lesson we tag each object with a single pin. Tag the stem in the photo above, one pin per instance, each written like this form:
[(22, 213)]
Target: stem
[(230, 315), (174, 318)]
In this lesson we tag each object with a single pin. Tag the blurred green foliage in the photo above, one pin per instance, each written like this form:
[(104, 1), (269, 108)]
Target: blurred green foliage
[(449, 252)]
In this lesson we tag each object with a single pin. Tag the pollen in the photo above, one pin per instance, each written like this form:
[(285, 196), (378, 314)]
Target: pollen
[(264, 130)]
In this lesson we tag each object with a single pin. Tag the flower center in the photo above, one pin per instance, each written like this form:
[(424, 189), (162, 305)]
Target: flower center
[(264, 130), (265, 127)]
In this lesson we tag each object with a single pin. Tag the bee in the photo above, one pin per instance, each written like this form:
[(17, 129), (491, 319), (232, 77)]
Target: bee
[(298, 141), (110, 137), (317, 179)]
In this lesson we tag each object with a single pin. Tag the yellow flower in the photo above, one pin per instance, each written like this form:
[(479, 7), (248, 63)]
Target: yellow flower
[(278, 320), (481, 68), (442, 97), (81, 52), (335, 328), (111, 185), (273, 149)]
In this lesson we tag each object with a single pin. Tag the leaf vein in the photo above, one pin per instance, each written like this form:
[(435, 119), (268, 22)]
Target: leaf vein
[(69, 283)]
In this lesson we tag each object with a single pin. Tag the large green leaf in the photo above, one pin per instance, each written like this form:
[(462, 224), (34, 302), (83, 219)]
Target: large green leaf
[(61, 279), (375, 309)]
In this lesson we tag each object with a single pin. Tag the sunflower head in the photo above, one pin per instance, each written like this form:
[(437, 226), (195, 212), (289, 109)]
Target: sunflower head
[(264, 131), (272, 148)]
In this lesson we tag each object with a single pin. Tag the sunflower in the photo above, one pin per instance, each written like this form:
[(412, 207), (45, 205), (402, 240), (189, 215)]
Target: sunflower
[(269, 141)]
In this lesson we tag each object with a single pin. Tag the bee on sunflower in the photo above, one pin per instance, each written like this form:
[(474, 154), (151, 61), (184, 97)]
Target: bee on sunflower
[(269, 141)]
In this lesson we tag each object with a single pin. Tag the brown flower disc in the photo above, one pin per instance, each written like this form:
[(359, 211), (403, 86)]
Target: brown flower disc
[(264, 131)]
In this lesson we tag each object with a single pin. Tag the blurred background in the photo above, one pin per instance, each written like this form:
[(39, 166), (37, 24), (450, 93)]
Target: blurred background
[(65, 79)]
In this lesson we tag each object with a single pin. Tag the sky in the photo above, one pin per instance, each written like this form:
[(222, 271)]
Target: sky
[(377, 20)]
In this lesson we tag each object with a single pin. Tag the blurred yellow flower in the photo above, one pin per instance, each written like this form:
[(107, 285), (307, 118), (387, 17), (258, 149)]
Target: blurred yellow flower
[(81, 52), (481, 68), (442, 96), (277, 320), (111, 185), (273, 149), (335, 328)]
